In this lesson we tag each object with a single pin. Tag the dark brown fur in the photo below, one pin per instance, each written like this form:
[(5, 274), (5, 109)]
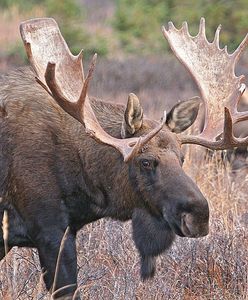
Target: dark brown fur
[(52, 175)]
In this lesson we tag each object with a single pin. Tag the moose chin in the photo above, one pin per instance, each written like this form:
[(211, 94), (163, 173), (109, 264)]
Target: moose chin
[(67, 159)]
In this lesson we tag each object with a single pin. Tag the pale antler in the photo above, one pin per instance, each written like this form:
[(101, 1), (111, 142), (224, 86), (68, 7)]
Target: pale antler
[(213, 70), (61, 74)]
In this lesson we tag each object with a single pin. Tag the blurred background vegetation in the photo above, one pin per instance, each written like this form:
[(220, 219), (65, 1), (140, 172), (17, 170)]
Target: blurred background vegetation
[(117, 28), (137, 22)]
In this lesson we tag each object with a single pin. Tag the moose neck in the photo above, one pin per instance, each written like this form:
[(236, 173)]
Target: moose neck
[(110, 191)]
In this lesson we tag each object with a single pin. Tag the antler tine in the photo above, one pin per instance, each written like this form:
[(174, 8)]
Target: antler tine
[(217, 37), (185, 27), (236, 54), (202, 28), (171, 26), (55, 90), (226, 141), (86, 83), (75, 109), (216, 80), (61, 75)]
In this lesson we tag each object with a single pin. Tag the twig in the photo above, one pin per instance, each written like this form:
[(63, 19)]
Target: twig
[(61, 248)]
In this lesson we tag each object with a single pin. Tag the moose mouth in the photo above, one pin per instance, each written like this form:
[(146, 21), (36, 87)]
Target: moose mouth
[(186, 231), (185, 228), (177, 229)]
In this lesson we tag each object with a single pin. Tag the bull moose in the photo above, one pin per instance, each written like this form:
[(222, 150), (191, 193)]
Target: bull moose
[(67, 159)]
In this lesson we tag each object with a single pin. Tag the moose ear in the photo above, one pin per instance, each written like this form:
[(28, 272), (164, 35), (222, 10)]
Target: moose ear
[(133, 117), (183, 115)]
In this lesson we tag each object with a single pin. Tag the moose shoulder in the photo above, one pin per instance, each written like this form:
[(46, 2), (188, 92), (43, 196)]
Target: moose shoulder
[(67, 160)]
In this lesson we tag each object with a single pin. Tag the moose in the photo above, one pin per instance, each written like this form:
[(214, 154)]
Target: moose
[(67, 159)]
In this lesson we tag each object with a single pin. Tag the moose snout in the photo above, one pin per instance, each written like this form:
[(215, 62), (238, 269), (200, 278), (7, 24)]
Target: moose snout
[(194, 225)]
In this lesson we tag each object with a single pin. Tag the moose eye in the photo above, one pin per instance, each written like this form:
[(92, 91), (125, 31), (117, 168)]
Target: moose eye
[(146, 163)]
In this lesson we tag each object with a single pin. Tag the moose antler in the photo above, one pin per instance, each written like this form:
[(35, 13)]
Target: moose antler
[(213, 70), (61, 75)]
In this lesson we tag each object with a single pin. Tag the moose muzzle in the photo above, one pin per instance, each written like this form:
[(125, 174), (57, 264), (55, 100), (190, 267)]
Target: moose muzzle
[(192, 226)]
